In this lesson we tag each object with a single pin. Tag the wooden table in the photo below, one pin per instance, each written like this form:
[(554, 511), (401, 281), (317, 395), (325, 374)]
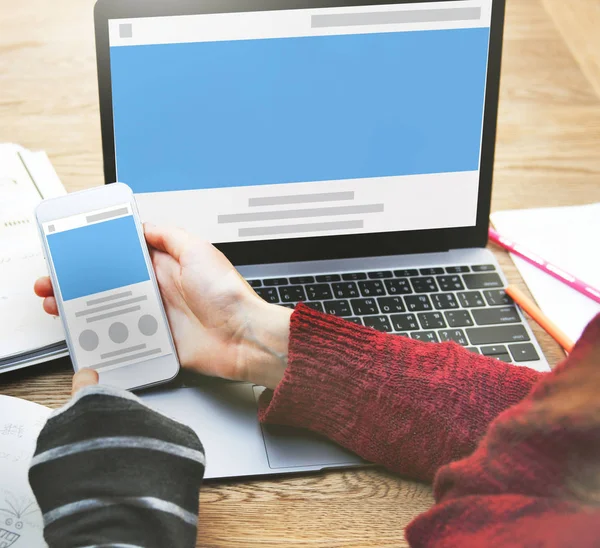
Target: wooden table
[(548, 155)]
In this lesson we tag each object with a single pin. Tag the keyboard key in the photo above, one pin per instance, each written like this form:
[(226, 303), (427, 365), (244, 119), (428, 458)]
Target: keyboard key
[(503, 358), (289, 305), (524, 352), (493, 316), (338, 308), (432, 320), (275, 281), (456, 335), (473, 349), (381, 323), (302, 280), (424, 285), (269, 294), (371, 289), (431, 271), (497, 297), (354, 277), (327, 278), (403, 334), (357, 321), (450, 283), (255, 283), (319, 292), (471, 299), (459, 318), (364, 307), (398, 287), (315, 305), (425, 336), (292, 294), (380, 275), (484, 268), (457, 269), (346, 290), (497, 334), (391, 305), (418, 303), (444, 301), (482, 281), (405, 322), (496, 350), (405, 273)]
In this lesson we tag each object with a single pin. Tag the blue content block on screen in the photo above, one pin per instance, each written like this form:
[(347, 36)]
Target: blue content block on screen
[(289, 110), (96, 258)]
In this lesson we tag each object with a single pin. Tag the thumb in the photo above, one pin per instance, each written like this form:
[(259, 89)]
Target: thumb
[(83, 378), (168, 239)]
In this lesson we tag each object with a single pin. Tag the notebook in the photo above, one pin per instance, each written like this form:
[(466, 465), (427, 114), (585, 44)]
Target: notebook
[(28, 336), (21, 524), (567, 237)]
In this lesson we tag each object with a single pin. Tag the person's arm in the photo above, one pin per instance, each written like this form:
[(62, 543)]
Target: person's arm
[(534, 479), (408, 405), (109, 471)]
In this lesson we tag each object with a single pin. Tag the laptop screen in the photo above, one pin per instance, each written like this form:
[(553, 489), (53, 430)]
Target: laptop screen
[(300, 123)]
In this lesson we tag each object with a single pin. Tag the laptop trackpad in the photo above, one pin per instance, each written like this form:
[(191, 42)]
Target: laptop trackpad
[(296, 448)]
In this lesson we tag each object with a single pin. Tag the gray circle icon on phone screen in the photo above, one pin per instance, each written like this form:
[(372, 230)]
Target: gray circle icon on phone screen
[(88, 340), (118, 332), (148, 325)]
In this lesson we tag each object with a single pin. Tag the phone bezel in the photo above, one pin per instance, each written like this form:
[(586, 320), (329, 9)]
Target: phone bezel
[(130, 377)]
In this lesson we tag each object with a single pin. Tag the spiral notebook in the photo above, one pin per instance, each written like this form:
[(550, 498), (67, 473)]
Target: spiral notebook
[(28, 335)]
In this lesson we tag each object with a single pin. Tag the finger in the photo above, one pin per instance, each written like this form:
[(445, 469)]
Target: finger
[(168, 239), (43, 287), (83, 378), (50, 306)]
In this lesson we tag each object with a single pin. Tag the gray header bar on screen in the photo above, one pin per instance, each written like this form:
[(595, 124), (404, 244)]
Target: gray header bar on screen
[(396, 17), (301, 199), (107, 215), (298, 229)]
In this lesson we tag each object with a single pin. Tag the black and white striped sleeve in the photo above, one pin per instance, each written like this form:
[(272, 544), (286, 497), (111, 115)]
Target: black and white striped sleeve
[(109, 471)]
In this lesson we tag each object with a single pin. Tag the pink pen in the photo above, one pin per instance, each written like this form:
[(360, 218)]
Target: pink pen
[(549, 268)]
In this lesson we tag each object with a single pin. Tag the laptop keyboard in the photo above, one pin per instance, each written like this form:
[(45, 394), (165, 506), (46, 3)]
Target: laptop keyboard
[(464, 304)]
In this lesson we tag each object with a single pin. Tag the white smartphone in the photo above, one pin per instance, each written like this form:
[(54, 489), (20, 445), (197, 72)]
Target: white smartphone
[(105, 287)]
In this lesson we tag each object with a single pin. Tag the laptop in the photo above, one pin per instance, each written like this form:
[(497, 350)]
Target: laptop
[(339, 152)]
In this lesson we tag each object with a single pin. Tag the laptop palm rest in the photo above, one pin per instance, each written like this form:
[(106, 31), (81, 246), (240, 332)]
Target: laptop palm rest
[(224, 415)]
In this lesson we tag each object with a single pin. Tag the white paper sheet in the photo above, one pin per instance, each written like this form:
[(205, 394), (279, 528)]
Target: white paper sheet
[(21, 524), (25, 179), (567, 237)]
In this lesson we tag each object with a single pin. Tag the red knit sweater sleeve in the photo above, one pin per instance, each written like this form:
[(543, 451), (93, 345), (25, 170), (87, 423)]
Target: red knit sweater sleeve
[(408, 405), (529, 442)]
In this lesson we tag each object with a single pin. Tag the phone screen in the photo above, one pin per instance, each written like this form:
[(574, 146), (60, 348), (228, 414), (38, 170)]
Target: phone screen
[(110, 306)]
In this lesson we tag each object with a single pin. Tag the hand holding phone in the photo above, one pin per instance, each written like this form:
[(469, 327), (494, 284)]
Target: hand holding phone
[(105, 287), (220, 326)]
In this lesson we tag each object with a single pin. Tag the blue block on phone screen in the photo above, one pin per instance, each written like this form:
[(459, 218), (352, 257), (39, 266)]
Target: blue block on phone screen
[(97, 258)]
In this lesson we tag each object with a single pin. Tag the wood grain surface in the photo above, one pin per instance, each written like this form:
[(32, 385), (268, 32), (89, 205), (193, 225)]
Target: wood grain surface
[(548, 155)]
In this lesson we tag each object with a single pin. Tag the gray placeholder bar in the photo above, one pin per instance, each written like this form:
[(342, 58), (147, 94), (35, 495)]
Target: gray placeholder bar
[(297, 229), (114, 314), (110, 306), (99, 366), (110, 298), (396, 17), (107, 215), (124, 351), (301, 199), (300, 213)]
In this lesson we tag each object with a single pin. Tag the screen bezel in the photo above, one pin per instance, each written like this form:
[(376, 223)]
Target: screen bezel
[(138, 375), (322, 247)]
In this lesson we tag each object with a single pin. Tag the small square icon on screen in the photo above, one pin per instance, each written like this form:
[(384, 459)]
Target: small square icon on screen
[(125, 30)]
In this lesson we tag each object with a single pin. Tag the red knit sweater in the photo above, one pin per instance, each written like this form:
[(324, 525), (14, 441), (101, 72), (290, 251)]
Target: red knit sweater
[(529, 442)]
